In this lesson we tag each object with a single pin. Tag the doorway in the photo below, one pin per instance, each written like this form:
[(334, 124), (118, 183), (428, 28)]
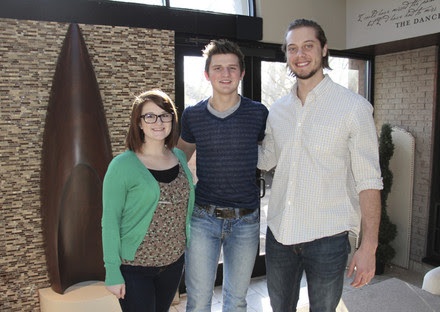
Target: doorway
[(192, 87)]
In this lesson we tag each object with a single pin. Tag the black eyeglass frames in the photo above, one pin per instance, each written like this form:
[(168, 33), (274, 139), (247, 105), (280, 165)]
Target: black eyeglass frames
[(151, 118)]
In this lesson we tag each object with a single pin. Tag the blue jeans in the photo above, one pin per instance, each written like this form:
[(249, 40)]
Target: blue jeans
[(150, 289), (323, 260), (239, 238)]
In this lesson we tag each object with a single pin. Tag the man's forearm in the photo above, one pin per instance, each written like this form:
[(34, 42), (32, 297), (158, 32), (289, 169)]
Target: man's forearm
[(370, 209)]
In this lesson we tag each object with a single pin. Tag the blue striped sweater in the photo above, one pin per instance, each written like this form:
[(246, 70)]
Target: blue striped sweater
[(227, 152)]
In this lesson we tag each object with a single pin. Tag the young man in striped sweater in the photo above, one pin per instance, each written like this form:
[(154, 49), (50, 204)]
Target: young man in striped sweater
[(225, 130)]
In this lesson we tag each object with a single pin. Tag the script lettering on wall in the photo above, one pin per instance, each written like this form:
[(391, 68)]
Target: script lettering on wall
[(377, 21)]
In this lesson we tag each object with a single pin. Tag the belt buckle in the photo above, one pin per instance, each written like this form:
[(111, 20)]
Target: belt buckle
[(218, 213)]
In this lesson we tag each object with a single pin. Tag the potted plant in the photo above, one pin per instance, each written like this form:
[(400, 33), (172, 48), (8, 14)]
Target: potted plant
[(387, 230)]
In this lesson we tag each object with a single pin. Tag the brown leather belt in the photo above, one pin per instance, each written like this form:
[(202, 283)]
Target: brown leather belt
[(225, 212)]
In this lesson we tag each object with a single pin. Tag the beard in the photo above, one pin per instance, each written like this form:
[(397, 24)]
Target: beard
[(303, 76)]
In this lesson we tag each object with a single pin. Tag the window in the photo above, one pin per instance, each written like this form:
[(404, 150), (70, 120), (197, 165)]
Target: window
[(197, 87), (348, 72), (150, 2), (239, 7)]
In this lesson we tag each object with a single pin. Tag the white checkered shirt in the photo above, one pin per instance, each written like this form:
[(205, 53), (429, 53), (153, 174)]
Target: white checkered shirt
[(325, 153)]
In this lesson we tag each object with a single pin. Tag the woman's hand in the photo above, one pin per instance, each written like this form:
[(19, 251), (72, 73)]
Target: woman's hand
[(117, 290)]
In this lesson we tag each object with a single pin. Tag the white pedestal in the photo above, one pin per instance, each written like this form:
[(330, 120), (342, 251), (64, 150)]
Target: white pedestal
[(82, 297), (431, 281)]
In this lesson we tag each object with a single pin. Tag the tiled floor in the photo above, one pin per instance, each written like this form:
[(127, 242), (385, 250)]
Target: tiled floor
[(258, 299)]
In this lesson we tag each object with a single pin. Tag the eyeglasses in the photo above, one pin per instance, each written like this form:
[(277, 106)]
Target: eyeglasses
[(150, 118)]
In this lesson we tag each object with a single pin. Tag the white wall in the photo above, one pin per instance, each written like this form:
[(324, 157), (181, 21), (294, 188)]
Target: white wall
[(277, 14), (353, 23)]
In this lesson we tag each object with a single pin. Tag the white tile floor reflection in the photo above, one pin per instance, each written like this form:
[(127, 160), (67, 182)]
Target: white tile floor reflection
[(258, 298)]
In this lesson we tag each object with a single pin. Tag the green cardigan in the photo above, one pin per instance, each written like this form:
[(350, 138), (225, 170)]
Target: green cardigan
[(130, 195)]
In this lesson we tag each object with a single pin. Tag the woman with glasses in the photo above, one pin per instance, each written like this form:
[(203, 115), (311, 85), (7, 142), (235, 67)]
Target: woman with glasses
[(148, 198)]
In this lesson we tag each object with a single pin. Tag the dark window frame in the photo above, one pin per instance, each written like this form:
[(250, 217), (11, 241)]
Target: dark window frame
[(193, 22)]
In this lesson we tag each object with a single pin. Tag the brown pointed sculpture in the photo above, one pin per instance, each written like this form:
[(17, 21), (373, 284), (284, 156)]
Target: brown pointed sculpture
[(75, 156)]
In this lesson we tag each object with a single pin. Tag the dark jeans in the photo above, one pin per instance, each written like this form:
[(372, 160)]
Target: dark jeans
[(150, 289), (323, 260)]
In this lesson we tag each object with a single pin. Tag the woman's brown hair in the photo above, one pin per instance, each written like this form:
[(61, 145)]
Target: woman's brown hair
[(135, 136)]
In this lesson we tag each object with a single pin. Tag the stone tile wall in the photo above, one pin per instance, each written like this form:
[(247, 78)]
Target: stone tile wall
[(127, 61)]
